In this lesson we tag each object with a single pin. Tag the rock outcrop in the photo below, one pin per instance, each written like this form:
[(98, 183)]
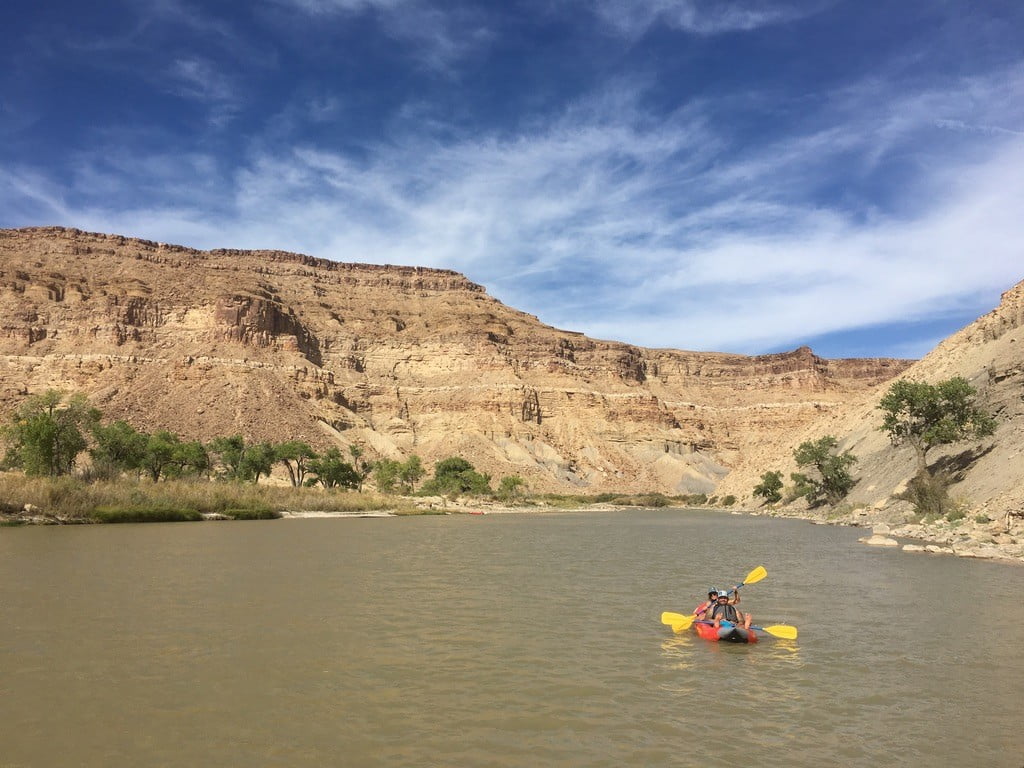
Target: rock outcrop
[(987, 475), (402, 360)]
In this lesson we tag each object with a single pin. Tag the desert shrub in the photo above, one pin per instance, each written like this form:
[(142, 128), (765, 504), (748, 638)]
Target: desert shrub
[(928, 493), (728, 501), (770, 487)]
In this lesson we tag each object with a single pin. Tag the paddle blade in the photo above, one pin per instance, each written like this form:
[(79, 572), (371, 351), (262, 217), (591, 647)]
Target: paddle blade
[(755, 575), (784, 631), (677, 621)]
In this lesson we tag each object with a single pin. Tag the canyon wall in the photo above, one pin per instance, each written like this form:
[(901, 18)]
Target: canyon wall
[(401, 360)]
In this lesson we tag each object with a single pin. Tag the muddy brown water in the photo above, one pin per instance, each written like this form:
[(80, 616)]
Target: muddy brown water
[(498, 640)]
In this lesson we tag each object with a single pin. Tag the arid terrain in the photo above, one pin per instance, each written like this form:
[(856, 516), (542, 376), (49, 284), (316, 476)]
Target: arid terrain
[(405, 360)]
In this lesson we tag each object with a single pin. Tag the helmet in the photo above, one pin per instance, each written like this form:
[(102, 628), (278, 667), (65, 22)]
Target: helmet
[(712, 591), (722, 593)]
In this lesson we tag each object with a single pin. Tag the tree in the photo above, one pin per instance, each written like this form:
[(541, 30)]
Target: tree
[(386, 473), (926, 415), (160, 452), (770, 487), (362, 468), (332, 471), (455, 475), (230, 451), (45, 438), (411, 472), (257, 460), (118, 446), (189, 458), (295, 455), (834, 480)]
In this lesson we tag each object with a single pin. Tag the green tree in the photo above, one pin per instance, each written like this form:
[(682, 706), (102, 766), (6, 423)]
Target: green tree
[(189, 458), (834, 480), (332, 471), (455, 475), (362, 468), (44, 438), (411, 472), (296, 456), (161, 447), (386, 474), (770, 487), (257, 460), (119, 446), (230, 452), (926, 415)]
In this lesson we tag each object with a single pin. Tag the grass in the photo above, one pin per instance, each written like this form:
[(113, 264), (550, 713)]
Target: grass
[(71, 499)]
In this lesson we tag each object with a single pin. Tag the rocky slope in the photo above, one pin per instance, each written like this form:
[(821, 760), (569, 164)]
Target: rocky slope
[(401, 360), (988, 475)]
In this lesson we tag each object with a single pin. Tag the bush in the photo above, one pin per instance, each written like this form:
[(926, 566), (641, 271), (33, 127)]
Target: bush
[(728, 501), (928, 494), (770, 487)]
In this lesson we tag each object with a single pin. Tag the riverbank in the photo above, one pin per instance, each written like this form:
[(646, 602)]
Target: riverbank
[(896, 525)]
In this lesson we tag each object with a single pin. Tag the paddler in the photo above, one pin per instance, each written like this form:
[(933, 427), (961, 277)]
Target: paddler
[(725, 610), (701, 609)]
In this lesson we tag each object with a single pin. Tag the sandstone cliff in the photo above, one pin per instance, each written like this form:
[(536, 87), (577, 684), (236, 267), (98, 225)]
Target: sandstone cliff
[(401, 360)]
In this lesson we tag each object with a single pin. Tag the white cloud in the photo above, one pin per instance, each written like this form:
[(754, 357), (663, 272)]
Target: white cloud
[(700, 17), (658, 232)]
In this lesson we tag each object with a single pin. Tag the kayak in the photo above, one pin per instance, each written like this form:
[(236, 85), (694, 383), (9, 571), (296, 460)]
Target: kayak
[(727, 633)]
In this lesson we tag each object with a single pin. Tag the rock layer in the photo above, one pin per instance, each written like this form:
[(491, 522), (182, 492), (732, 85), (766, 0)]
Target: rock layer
[(402, 360)]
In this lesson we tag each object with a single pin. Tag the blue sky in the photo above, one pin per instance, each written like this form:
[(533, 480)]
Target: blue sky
[(729, 175)]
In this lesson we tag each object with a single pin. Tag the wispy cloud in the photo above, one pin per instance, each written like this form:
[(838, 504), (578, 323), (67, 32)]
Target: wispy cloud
[(700, 17), (438, 35), (663, 230)]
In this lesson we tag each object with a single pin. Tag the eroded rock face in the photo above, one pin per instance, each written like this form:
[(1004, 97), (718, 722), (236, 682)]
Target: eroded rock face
[(403, 360)]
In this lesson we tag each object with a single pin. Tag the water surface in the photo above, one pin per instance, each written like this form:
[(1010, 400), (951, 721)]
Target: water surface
[(499, 640)]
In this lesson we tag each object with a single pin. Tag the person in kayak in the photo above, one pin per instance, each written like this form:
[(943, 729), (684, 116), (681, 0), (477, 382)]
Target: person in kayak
[(724, 609), (702, 609)]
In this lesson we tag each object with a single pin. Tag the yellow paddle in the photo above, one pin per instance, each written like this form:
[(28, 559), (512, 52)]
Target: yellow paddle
[(677, 621), (753, 577), (681, 623), (785, 631)]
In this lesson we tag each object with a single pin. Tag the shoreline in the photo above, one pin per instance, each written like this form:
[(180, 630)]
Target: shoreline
[(991, 540)]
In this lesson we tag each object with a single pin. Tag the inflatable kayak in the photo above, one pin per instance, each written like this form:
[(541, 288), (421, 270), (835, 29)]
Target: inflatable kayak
[(727, 633)]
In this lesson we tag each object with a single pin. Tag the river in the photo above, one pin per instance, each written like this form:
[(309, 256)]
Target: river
[(498, 640)]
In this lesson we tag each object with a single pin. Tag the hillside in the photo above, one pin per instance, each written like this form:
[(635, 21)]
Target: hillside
[(988, 475), (401, 360)]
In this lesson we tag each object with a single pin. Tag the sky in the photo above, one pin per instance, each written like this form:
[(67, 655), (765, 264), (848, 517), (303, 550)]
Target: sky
[(740, 176)]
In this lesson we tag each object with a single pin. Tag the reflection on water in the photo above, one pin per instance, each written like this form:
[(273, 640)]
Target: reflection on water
[(505, 640)]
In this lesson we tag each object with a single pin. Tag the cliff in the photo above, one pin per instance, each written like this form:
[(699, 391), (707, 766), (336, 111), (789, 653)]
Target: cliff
[(401, 360)]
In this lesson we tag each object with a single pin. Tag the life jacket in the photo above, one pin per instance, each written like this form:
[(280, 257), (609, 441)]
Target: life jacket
[(724, 612), (702, 608)]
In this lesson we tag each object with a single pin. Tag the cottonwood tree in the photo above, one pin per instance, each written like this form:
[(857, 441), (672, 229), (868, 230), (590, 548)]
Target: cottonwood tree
[(45, 437), (833, 479), (296, 456), (927, 415)]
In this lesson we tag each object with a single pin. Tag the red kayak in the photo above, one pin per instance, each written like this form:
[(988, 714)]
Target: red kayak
[(727, 633)]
